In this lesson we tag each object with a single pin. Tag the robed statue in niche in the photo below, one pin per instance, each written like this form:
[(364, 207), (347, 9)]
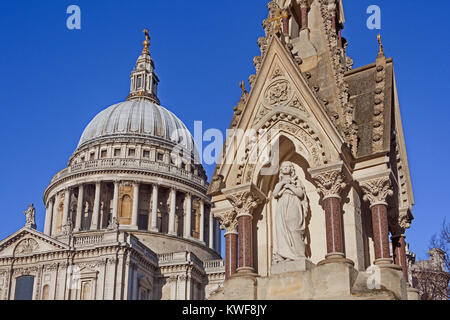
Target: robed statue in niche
[(290, 215)]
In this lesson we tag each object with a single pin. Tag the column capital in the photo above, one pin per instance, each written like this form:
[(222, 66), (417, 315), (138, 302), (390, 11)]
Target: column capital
[(228, 221), (244, 199), (303, 3), (377, 190), (330, 180)]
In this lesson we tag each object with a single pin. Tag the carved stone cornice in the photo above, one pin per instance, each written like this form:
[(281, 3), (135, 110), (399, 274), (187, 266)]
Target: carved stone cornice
[(228, 221), (377, 190), (244, 199)]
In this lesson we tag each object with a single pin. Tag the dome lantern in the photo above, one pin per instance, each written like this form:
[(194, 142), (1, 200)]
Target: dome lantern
[(144, 81)]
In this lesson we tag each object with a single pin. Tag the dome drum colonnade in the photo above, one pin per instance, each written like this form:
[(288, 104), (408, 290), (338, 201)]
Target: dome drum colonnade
[(72, 207)]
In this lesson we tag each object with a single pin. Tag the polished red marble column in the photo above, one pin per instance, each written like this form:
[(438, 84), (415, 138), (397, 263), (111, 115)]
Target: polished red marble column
[(245, 244), (231, 242), (285, 22), (399, 245), (333, 222), (304, 17), (380, 232)]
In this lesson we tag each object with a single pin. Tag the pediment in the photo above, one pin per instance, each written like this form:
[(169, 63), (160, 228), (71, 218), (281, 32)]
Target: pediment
[(280, 93), (28, 242)]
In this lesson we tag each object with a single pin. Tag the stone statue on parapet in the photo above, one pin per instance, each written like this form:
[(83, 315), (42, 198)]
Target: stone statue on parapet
[(30, 215)]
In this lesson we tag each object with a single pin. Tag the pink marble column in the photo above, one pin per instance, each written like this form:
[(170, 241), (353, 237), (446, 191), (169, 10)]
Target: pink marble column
[(399, 245), (304, 17), (380, 232), (231, 243), (333, 222), (245, 243)]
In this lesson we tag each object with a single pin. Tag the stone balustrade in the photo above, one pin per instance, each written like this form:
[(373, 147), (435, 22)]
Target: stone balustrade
[(141, 165), (214, 264)]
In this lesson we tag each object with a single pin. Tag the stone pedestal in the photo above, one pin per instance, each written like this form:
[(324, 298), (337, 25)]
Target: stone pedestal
[(291, 266), (391, 278), (333, 280), (413, 294), (240, 286)]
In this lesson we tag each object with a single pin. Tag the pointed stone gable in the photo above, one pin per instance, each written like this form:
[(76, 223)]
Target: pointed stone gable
[(281, 99)]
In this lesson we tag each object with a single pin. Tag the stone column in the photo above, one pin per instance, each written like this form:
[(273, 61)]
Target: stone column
[(173, 203), (154, 213), (330, 184), (376, 192), (96, 213), (135, 212), (202, 220), (188, 217), (49, 218), (244, 200), (55, 215), (399, 245), (79, 207), (115, 212), (66, 207), (229, 223), (211, 230), (304, 14)]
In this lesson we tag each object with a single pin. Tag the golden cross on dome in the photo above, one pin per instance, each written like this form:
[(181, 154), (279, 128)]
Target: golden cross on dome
[(146, 42), (279, 15)]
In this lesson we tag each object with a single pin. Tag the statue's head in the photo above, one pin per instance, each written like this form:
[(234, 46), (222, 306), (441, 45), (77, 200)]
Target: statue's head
[(287, 169)]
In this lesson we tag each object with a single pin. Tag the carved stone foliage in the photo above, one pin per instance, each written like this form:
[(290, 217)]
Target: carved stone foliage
[(278, 93), (26, 247), (216, 185), (228, 221), (244, 202), (26, 271), (377, 191), (404, 219), (309, 145), (339, 62), (378, 111), (330, 183)]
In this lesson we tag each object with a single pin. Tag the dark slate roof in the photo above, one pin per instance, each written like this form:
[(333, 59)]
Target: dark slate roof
[(362, 84)]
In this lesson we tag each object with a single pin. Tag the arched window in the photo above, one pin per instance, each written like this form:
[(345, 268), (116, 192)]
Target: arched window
[(46, 292), (24, 288)]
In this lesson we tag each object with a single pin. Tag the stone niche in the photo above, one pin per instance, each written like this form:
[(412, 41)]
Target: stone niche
[(266, 220), (125, 203)]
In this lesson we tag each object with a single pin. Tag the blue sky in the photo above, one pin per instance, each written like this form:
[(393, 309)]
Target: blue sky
[(54, 81)]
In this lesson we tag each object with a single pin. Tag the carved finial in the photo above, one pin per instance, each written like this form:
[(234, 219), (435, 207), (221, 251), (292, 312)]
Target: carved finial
[(242, 86), (381, 51), (146, 42)]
